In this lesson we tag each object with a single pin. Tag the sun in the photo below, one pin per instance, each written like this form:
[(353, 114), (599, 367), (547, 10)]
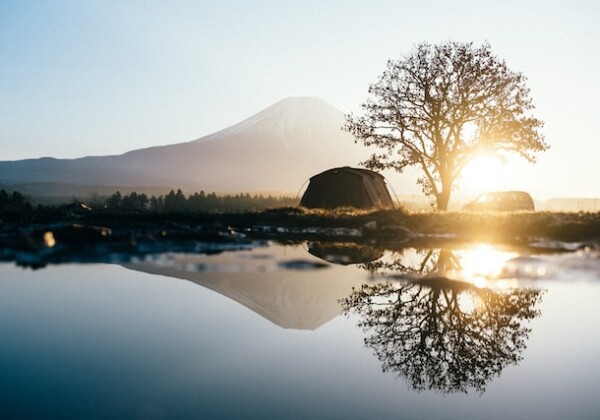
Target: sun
[(485, 173)]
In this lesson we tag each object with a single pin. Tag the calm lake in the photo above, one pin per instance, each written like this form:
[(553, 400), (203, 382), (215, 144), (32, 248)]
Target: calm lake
[(305, 331)]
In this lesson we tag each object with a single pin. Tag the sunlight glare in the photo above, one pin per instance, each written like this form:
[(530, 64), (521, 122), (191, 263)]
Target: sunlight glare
[(486, 173), (482, 264)]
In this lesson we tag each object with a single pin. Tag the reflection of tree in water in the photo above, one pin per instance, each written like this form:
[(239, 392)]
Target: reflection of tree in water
[(433, 261), (440, 334)]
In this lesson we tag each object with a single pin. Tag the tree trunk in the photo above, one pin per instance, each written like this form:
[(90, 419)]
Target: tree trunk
[(443, 197), (442, 200)]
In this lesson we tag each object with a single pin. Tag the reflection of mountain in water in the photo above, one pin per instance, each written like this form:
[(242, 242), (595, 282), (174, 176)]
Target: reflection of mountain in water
[(303, 298)]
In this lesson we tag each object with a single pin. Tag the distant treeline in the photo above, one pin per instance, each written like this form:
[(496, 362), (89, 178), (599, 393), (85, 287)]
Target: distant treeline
[(177, 202), (14, 202), (173, 202)]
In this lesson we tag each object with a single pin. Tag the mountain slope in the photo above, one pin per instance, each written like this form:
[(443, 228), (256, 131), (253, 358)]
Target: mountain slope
[(277, 149)]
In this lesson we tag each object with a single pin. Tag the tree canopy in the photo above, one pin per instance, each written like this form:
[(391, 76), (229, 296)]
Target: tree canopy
[(442, 105)]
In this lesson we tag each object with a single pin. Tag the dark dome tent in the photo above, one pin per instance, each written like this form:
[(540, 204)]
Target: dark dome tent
[(347, 187)]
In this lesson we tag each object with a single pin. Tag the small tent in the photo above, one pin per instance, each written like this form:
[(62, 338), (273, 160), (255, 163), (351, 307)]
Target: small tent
[(347, 187)]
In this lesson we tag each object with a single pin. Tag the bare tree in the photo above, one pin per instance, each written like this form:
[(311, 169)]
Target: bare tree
[(442, 105)]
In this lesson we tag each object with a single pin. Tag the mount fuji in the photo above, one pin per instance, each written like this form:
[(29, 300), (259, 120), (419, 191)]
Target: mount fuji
[(276, 150)]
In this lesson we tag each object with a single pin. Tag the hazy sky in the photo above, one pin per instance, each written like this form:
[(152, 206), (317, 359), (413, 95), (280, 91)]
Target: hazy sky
[(104, 77)]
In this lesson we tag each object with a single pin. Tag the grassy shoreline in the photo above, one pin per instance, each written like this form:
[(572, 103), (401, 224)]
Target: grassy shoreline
[(373, 225), (76, 234)]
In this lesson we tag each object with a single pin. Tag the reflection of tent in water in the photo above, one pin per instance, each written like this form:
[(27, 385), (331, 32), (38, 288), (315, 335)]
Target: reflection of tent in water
[(347, 187), (294, 299), (344, 253)]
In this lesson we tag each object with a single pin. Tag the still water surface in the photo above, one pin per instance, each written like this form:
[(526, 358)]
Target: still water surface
[(305, 331)]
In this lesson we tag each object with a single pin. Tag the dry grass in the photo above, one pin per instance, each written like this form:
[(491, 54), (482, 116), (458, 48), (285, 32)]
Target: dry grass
[(376, 225)]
